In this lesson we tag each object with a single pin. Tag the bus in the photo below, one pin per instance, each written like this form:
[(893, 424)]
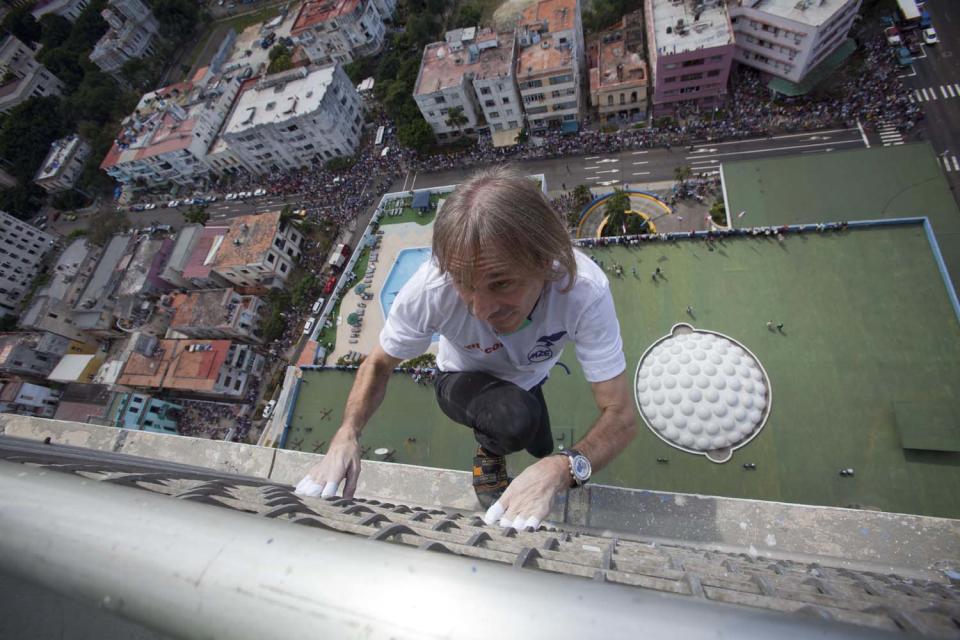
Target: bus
[(380, 131)]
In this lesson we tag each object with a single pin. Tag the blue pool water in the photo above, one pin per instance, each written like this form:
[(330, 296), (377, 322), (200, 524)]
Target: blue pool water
[(406, 264)]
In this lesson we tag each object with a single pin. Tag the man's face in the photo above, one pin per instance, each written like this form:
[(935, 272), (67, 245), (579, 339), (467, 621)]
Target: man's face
[(499, 295)]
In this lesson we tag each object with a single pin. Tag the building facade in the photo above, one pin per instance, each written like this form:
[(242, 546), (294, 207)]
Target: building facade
[(788, 38), (142, 412), (619, 79), (22, 249), (69, 9), (258, 252), (34, 355), (287, 119), (550, 65), (63, 164), (220, 314), (132, 29), (51, 308), (21, 76), (338, 31), (691, 50), (25, 398), (167, 136)]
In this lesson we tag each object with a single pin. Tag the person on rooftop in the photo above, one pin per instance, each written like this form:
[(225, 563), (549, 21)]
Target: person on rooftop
[(506, 292)]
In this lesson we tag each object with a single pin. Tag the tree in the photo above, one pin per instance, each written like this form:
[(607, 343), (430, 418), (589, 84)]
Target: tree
[(55, 30), (619, 222), (682, 173), (457, 118), (26, 134), (468, 16), (196, 215), (417, 135), (304, 290), (582, 195), (718, 213), (21, 23)]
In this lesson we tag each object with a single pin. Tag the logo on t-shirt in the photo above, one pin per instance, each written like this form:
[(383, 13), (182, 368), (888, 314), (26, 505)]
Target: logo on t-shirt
[(542, 352)]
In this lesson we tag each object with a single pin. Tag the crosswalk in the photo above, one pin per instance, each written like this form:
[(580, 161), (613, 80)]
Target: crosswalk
[(950, 163), (889, 135), (929, 94)]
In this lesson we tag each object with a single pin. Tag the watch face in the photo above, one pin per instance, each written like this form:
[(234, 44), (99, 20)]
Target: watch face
[(581, 468)]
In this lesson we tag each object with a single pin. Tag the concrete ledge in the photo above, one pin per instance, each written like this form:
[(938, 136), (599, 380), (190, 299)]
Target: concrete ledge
[(859, 539)]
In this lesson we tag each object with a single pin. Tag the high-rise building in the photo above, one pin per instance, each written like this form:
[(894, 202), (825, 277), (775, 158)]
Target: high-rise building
[(788, 38), (287, 119), (22, 249), (132, 28), (341, 30), (690, 44), (63, 164), (21, 76)]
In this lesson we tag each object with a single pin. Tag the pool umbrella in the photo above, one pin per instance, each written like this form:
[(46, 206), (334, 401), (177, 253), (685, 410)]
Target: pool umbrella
[(353, 319), (360, 288)]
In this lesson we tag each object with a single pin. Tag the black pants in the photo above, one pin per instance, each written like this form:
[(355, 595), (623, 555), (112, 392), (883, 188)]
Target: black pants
[(504, 417)]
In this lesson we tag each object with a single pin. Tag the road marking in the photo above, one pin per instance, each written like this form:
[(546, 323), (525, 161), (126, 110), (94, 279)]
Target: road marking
[(642, 162), (792, 135), (805, 146), (641, 173), (592, 158), (956, 164), (863, 134), (639, 153), (705, 162), (943, 91), (933, 94), (950, 91), (591, 168), (610, 171), (608, 160)]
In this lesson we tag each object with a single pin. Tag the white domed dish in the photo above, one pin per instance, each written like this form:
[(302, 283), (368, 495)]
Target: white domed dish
[(712, 410)]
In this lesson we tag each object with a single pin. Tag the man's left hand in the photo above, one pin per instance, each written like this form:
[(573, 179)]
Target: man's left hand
[(527, 500)]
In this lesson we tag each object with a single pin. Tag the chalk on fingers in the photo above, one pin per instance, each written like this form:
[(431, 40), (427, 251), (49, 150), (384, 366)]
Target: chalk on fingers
[(493, 513), (533, 522), (330, 489)]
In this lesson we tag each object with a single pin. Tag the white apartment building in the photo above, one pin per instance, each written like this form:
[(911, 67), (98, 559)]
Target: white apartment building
[(21, 76), (550, 64), (51, 308), (167, 136), (63, 164), (132, 28), (288, 118), (69, 9), (443, 85), (341, 30), (788, 38), (22, 248), (472, 71)]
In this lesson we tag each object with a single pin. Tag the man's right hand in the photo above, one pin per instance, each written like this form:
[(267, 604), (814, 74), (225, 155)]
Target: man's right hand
[(341, 462)]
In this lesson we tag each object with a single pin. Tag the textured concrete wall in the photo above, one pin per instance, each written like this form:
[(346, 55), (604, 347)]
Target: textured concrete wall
[(867, 539)]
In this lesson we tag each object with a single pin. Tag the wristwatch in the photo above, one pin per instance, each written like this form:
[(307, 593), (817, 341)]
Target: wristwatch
[(580, 468)]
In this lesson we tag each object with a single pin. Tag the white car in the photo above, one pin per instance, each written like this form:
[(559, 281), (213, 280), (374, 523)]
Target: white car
[(268, 409), (308, 326), (173, 204), (244, 194), (210, 199), (318, 305), (930, 36), (231, 196), (150, 207), (260, 192)]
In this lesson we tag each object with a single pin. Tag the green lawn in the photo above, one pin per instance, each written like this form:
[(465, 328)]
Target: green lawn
[(410, 214), (867, 325)]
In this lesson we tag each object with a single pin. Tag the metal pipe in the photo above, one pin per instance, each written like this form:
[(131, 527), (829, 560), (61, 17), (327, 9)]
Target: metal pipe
[(193, 571)]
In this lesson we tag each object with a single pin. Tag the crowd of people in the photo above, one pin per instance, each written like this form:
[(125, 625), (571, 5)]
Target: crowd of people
[(709, 235)]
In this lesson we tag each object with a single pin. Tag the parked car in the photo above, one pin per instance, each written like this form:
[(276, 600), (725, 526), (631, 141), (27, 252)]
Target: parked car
[(173, 204), (243, 195), (70, 217), (260, 192), (230, 196), (930, 36), (211, 199), (893, 36), (318, 305), (150, 206), (268, 409), (904, 59), (138, 207), (308, 326)]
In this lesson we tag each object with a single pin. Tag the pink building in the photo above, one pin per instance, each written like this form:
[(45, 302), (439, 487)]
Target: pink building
[(691, 52)]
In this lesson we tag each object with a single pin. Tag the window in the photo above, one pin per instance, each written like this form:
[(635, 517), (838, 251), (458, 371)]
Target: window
[(506, 100), (713, 73), (693, 63), (609, 101), (691, 76), (283, 267), (484, 91), (494, 114), (623, 99), (270, 258), (670, 79), (490, 103), (440, 100)]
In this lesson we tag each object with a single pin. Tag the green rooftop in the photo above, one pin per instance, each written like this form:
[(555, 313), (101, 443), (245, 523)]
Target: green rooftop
[(869, 355), (880, 183)]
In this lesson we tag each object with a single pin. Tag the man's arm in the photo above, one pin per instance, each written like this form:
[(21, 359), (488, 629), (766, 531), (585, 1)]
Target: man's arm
[(342, 460), (367, 391), (615, 427), (527, 500)]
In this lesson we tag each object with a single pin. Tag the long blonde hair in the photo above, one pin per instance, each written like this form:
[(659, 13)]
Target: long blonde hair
[(499, 211)]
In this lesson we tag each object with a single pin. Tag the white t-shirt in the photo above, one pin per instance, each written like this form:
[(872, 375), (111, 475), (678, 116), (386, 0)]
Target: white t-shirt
[(429, 304)]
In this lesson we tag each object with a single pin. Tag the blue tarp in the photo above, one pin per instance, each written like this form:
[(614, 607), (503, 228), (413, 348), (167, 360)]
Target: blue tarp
[(569, 126), (421, 200)]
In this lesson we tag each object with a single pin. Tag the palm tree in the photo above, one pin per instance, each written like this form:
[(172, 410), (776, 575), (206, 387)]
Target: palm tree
[(582, 195), (457, 118), (682, 173), (616, 207)]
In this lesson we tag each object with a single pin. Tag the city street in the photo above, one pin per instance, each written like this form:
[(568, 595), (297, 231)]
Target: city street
[(934, 82)]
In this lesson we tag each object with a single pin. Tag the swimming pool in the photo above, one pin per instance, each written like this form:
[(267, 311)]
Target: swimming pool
[(406, 264)]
